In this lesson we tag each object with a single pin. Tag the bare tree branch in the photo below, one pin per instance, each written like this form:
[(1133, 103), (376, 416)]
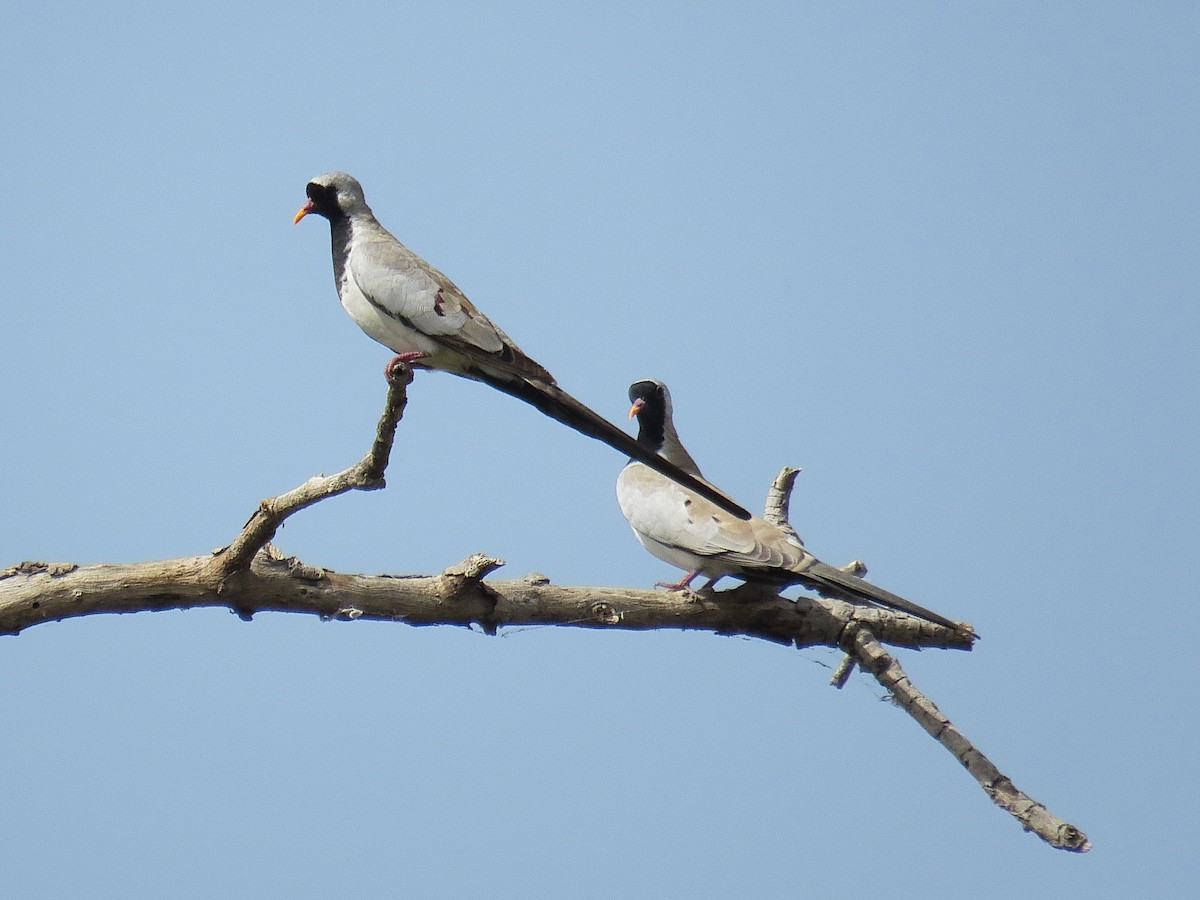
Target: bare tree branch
[(365, 475), (873, 658), (32, 593), (250, 576)]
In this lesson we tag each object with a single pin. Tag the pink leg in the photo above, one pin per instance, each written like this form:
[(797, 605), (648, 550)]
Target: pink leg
[(683, 584), (407, 358)]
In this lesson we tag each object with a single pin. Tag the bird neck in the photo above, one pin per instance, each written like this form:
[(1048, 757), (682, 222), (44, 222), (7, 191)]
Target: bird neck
[(340, 231), (672, 451), (658, 434)]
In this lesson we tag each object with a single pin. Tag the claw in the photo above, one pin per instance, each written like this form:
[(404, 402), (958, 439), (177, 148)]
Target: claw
[(408, 358), (683, 584)]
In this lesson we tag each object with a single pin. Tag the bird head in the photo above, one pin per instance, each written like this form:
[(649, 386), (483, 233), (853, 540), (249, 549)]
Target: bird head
[(652, 408), (334, 195), (649, 398)]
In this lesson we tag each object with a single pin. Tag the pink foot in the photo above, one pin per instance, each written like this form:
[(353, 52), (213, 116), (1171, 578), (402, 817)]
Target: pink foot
[(403, 362), (683, 584), (408, 358)]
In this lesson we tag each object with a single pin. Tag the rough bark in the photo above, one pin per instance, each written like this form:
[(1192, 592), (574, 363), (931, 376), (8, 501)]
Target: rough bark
[(35, 592), (250, 575), (867, 651)]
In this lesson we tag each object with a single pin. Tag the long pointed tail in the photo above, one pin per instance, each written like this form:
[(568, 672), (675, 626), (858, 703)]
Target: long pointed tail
[(561, 406), (822, 574)]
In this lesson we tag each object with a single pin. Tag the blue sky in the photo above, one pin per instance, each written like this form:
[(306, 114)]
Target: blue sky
[(943, 257)]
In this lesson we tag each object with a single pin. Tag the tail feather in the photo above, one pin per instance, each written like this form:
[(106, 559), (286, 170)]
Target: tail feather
[(823, 574), (562, 407)]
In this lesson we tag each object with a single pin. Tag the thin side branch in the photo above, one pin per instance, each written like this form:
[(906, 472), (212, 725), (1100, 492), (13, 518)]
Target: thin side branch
[(365, 475), (776, 511), (779, 501), (874, 658), (843, 672)]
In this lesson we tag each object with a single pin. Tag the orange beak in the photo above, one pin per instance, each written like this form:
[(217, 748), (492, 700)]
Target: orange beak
[(303, 211), (637, 407)]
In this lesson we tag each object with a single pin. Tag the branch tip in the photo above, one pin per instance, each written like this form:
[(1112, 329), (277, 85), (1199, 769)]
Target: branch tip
[(843, 672), (779, 498), (399, 374), (1032, 816)]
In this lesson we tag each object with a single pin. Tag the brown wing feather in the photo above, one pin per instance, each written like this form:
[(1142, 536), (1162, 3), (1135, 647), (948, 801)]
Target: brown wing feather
[(510, 359)]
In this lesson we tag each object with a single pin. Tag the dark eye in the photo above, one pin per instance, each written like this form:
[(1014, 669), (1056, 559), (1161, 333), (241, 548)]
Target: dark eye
[(314, 191)]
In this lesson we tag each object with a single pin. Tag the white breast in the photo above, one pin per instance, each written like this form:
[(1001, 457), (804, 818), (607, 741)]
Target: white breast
[(388, 330), (656, 508)]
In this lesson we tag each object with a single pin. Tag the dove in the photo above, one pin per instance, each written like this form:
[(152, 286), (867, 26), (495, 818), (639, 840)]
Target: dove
[(407, 305), (682, 528)]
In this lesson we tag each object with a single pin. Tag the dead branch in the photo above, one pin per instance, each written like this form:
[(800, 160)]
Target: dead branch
[(873, 658), (32, 593), (365, 475), (250, 576)]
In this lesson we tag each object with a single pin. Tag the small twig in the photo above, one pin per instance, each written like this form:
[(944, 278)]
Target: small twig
[(365, 475), (872, 656), (779, 499), (399, 377), (475, 567), (466, 578), (843, 672)]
